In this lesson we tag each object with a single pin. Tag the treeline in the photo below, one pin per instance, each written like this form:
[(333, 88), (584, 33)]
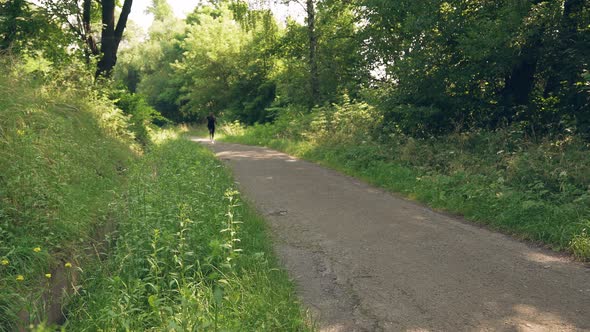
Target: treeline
[(234, 58), (431, 67)]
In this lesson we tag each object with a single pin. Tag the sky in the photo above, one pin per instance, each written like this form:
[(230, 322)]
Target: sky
[(183, 7)]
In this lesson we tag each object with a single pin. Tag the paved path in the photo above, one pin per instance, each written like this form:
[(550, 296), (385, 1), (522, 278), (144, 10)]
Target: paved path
[(366, 260)]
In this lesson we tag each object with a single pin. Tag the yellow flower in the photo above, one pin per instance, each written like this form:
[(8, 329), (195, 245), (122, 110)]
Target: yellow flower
[(20, 277), (5, 262), (68, 264), (37, 249), (48, 275)]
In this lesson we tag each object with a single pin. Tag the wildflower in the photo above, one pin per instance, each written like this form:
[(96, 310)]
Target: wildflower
[(5, 262), (20, 277), (37, 249), (68, 265), (48, 275)]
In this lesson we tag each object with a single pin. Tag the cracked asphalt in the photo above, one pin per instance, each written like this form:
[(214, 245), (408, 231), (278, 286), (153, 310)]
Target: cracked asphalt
[(363, 259)]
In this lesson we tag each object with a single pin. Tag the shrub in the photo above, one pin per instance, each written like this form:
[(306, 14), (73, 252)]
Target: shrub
[(417, 121), (141, 114)]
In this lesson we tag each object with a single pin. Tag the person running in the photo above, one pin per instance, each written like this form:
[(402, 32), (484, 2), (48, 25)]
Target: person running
[(211, 121)]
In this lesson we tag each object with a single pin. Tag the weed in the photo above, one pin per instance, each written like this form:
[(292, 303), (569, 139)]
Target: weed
[(580, 244), (189, 255)]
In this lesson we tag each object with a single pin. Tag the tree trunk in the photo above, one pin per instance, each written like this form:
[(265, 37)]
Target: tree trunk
[(111, 35), (519, 84), (313, 44), (92, 49)]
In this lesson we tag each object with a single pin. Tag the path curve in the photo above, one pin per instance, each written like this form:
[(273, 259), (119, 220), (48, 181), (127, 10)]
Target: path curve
[(365, 260)]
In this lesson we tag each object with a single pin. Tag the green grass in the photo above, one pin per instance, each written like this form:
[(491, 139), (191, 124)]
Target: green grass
[(144, 240), (60, 168), (190, 255), (538, 192)]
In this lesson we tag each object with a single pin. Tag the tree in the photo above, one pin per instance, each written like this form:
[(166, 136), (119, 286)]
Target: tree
[(483, 63), (314, 83), (78, 17), (161, 10), (112, 32), (25, 29), (211, 62), (11, 26), (151, 62), (312, 40)]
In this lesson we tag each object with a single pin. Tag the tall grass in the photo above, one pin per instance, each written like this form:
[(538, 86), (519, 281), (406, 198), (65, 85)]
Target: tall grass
[(63, 160), (190, 255), (535, 190), (139, 241)]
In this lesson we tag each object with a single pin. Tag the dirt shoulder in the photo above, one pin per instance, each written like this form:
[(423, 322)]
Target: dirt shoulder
[(365, 260)]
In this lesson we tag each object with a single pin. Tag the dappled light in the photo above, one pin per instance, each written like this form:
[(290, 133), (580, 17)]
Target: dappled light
[(294, 165), (541, 257), (255, 155)]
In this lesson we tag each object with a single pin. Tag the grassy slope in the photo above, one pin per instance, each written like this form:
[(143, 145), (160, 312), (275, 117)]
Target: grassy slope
[(59, 170), (537, 192), (189, 256)]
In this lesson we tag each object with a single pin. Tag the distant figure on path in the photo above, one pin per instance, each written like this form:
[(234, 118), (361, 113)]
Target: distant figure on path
[(211, 121)]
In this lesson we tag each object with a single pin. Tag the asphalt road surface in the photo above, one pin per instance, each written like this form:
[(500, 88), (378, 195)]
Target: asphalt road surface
[(366, 260)]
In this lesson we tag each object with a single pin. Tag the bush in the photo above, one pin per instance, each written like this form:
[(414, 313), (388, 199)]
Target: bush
[(141, 115), (417, 121), (348, 121)]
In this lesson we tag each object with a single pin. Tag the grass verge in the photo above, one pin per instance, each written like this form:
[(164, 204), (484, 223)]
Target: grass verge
[(189, 255)]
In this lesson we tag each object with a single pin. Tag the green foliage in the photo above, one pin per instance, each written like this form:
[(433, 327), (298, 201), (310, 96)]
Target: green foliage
[(346, 122), (189, 255), (161, 10), (432, 67), (416, 121), (211, 63), (482, 63), (228, 65), (25, 29), (580, 244), (142, 116), (147, 67), (63, 155), (236, 60)]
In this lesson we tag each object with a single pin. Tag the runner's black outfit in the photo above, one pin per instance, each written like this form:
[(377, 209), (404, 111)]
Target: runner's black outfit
[(211, 125)]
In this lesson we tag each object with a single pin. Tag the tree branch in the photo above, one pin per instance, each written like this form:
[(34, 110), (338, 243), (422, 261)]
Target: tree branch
[(123, 20)]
